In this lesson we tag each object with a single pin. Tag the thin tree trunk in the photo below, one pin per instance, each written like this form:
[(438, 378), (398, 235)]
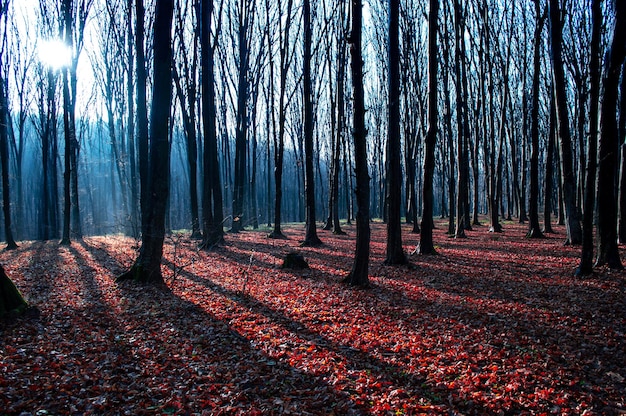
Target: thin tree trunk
[(549, 173), (426, 245), (310, 238), (534, 229), (4, 159)]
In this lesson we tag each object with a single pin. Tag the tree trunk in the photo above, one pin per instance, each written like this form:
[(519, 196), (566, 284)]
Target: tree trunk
[(395, 252), (134, 191), (549, 173), (279, 147), (586, 259), (359, 274), (310, 238), (142, 113), (534, 229), (241, 131), (212, 204), (461, 121), (4, 159), (608, 253), (568, 178), (147, 267), (426, 245), (65, 240), (622, 176)]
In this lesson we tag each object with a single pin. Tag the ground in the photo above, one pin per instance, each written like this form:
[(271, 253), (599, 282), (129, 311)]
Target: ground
[(495, 324)]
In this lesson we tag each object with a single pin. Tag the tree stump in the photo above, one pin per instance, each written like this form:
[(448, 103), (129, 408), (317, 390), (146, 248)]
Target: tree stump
[(294, 260), (11, 300)]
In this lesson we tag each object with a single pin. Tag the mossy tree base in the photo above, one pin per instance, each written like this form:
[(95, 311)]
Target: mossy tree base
[(11, 300)]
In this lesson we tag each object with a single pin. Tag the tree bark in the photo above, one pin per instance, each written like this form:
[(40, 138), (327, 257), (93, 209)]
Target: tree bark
[(359, 274), (212, 203), (622, 176), (549, 170), (147, 267), (426, 245), (395, 252), (279, 146), (586, 259), (568, 177), (4, 159), (311, 238), (461, 121), (142, 113), (534, 229), (608, 253)]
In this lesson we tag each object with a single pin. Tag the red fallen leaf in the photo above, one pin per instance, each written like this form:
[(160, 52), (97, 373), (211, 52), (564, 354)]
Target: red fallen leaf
[(488, 327)]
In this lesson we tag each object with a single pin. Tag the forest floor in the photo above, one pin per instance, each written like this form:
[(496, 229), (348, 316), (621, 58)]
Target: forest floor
[(494, 324)]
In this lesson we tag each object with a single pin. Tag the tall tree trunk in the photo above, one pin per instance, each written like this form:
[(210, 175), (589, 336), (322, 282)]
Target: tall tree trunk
[(549, 171), (212, 204), (147, 267), (461, 122), (131, 142), (279, 146), (608, 253), (534, 229), (241, 131), (586, 259), (310, 238), (65, 239), (622, 176), (426, 245), (359, 274), (568, 177), (395, 252), (142, 113), (4, 159)]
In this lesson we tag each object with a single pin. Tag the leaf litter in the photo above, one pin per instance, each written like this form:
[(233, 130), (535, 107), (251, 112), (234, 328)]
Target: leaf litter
[(488, 326)]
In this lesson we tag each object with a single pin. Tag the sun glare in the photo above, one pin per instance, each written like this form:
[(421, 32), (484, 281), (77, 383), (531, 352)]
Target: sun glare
[(54, 53)]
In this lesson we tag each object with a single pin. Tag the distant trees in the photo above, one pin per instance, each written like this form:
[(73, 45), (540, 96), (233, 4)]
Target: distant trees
[(457, 110)]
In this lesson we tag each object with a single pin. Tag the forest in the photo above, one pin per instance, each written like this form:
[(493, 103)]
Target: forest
[(463, 161)]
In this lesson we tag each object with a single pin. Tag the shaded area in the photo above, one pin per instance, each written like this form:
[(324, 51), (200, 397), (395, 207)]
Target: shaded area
[(489, 326)]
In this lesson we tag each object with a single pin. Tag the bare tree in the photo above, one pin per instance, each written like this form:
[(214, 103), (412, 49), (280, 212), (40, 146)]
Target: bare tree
[(147, 267), (534, 229), (395, 252), (359, 274), (586, 258), (426, 245), (568, 177), (4, 135), (608, 253)]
